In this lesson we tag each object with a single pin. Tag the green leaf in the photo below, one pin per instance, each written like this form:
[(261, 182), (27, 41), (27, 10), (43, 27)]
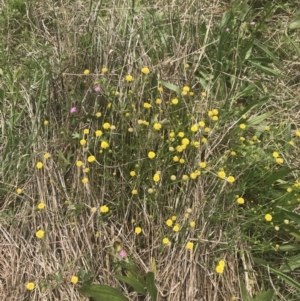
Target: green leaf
[(135, 284), (249, 90), (291, 215), (102, 292), (1, 94), (254, 104), (245, 295), (265, 70), (266, 50), (277, 175), (297, 48), (289, 248), (283, 276), (291, 230), (170, 86), (264, 60), (291, 264), (259, 118), (151, 286), (265, 296), (295, 21)]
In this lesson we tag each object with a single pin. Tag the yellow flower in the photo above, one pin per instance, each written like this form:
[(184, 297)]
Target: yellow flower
[(186, 89), (86, 72), (181, 161), (39, 165), (104, 209), (174, 101), (85, 180), (74, 279), (175, 158), (156, 177), (219, 269), (169, 222), (19, 191), (203, 140), (46, 122), (41, 205), (47, 155), (203, 94), (104, 70), (134, 191), (129, 78), (104, 144), (40, 234), (194, 128), (79, 163), (98, 114), (157, 126), (192, 224), (230, 179), (181, 134), (180, 148), (222, 174), (171, 134), (98, 133), (93, 209), (222, 263), (91, 159), (268, 217), (185, 141), (160, 89), (106, 126), (233, 153), (86, 170), (240, 201), (166, 241), (158, 101), (147, 105), (196, 143), (201, 124), (267, 128), (275, 155), (82, 142), (207, 130), (138, 230), (30, 286), (298, 133), (193, 176), (86, 131), (279, 160), (145, 70), (215, 118), (132, 173), (176, 228), (215, 112), (173, 177), (202, 164), (174, 218), (190, 245), (185, 177), (151, 155), (242, 126)]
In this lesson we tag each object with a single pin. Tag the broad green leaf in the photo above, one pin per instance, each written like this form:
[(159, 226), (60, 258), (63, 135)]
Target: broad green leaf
[(292, 231), (102, 292), (137, 286), (151, 287), (283, 276), (1, 94), (297, 48), (259, 118), (264, 60), (265, 296), (295, 21), (245, 294), (254, 104), (249, 90), (289, 248), (264, 69), (266, 50), (291, 215), (277, 175), (170, 86), (291, 264)]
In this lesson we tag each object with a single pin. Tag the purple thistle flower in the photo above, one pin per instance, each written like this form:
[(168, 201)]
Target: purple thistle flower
[(73, 110), (97, 89), (227, 29), (252, 23), (123, 254)]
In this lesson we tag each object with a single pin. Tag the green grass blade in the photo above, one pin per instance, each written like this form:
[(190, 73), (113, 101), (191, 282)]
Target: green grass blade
[(135, 284), (151, 286)]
